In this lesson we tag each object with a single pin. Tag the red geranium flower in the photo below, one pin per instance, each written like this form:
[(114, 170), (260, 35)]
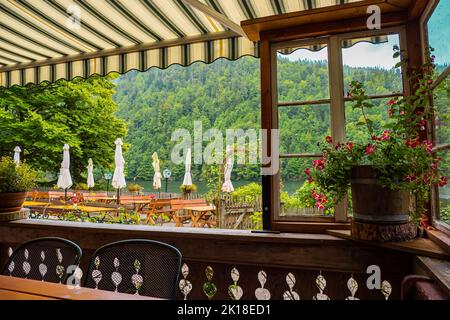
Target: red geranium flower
[(385, 135), (308, 171), (370, 149), (318, 164), (428, 146), (391, 102), (350, 146), (442, 181), (329, 139)]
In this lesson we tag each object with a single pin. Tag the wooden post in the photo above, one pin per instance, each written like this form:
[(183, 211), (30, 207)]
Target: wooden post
[(269, 121)]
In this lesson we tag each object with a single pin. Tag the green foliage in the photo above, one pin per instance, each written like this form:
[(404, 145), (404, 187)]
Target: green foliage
[(248, 193), (81, 186), (188, 189), (41, 118), (16, 178), (257, 220)]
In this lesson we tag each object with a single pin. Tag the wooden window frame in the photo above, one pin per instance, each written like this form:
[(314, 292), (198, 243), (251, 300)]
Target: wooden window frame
[(434, 192), (271, 201)]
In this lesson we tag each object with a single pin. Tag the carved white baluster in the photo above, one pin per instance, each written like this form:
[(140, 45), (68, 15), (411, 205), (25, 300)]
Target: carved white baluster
[(291, 294), (42, 266), (59, 268), (234, 291), (12, 265), (386, 289), (262, 293), (26, 266), (116, 277), (96, 274), (185, 285), (352, 286), (137, 279), (321, 284)]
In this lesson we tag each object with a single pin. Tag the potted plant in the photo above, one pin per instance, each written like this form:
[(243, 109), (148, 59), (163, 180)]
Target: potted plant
[(188, 189), (15, 182), (390, 174), (135, 188)]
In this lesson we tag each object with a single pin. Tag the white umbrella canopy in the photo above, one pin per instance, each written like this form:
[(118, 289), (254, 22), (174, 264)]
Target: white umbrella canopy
[(90, 176), (187, 181), (118, 180), (64, 179), (17, 152), (229, 159), (156, 167)]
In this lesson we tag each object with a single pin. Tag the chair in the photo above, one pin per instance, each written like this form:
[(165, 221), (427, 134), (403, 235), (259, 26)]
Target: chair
[(46, 259), (143, 267)]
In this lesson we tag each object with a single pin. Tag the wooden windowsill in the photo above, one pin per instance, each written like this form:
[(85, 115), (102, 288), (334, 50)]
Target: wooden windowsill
[(419, 246), (440, 238), (439, 270)]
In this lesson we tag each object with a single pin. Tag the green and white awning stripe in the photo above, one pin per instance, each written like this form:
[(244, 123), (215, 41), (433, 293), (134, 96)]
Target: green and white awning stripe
[(40, 40), (209, 51)]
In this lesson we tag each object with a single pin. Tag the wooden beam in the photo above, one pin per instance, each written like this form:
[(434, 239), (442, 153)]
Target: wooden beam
[(333, 27), (338, 13), (125, 50), (216, 16)]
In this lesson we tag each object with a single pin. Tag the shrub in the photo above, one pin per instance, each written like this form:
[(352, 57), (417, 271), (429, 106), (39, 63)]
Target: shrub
[(16, 178)]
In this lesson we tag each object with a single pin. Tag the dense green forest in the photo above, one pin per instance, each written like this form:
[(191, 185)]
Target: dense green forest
[(226, 94)]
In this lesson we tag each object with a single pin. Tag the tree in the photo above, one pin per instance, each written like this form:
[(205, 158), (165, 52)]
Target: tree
[(41, 118)]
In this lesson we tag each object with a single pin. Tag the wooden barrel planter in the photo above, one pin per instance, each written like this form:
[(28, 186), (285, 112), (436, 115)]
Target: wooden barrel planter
[(11, 206), (379, 214)]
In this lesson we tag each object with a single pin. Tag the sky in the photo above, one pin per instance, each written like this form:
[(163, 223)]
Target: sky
[(439, 32)]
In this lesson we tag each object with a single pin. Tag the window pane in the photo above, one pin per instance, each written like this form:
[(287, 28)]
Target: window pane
[(303, 74), (439, 31), (442, 111), (303, 127), (378, 114), (296, 199), (444, 192), (372, 64)]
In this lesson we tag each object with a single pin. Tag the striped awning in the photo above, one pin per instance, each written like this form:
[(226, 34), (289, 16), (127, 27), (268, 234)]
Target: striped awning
[(48, 40)]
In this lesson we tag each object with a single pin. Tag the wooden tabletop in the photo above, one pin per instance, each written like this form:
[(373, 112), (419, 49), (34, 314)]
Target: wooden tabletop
[(87, 209), (24, 289), (200, 208)]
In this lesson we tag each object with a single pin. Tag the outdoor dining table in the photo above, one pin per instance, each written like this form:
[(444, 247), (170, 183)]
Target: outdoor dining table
[(55, 208), (198, 212), (139, 205), (24, 289)]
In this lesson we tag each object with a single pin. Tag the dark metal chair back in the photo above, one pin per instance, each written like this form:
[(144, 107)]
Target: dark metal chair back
[(143, 267), (46, 259)]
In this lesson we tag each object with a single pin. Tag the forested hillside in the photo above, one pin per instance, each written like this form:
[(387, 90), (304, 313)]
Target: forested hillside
[(226, 95)]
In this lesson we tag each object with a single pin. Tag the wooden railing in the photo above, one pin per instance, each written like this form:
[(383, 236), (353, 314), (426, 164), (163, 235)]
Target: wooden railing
[(237, 264)]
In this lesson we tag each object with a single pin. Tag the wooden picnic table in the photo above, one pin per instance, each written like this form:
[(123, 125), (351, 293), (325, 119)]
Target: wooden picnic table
[(24, 289), (139, 205), (198, 213), (61, 209)]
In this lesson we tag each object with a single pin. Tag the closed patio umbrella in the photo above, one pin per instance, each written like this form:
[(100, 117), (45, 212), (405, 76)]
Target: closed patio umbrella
[(227, 185), (118, 180), (187, 181), (64, 179), (157, 177), (90, 177), (17, 152)]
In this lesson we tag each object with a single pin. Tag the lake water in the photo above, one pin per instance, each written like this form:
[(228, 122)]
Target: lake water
[(174, 186)]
